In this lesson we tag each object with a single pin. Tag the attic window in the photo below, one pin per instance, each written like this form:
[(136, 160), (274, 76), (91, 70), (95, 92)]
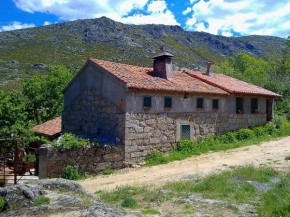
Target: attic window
[(167, 102), (147, 101), (199, 103), (215, 103), (185, 131)]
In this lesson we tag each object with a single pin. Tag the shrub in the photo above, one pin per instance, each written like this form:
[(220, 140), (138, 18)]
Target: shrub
[(69, 141), (73, 174), (285, 129), (129, 203), (287, 157), (229, 137), (271, 129), (244, 134), (259, 132), (155, 157), (2, 203), (187, 146)]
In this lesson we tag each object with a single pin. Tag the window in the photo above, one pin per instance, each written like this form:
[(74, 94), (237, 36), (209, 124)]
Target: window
[(167, 102), (239, 105), (199, 103), (147, 101), (215, 103), (185, 131), (254, 105)]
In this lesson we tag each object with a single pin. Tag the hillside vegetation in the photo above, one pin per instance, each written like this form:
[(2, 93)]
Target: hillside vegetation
[(24, 52)]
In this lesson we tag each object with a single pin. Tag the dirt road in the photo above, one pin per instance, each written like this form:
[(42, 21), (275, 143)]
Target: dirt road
[(269, 153)]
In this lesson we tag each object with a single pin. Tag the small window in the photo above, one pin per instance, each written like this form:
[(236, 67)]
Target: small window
[(254, 105), (185, 131), (199, 103), (147, 101), (215, 103), (239, 105), (167, 102)]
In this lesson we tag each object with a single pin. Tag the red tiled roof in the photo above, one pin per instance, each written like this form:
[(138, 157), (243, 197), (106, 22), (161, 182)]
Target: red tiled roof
[(232, 85), (186, 81), (142, 78), (49, 128)]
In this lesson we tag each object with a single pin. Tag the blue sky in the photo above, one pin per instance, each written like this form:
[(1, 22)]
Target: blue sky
[(219, 17)]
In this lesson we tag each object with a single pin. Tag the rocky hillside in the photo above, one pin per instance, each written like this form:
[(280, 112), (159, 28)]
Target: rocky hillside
[(25, 51)]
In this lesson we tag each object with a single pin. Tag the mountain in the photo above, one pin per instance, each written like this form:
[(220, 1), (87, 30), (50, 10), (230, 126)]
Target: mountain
[(27, 51)]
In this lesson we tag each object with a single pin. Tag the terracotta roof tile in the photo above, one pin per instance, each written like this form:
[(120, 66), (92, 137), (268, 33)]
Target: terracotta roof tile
[(142, 78), (232, 85), (49, 128)]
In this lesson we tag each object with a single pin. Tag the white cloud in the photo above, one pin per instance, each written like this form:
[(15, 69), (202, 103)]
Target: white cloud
[(158, 14), (188, 10), (46, 23), (16, 25), (249, 17), (115, 9)]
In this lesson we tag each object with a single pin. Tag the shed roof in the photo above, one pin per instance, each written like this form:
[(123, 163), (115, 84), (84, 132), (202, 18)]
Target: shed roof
[(50, 128)]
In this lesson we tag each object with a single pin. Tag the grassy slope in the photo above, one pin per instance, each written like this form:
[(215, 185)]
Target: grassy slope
[(72, 43)]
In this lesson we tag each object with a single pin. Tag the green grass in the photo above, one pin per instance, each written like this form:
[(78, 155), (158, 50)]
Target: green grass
[(287, 157), (230, 185), (41, 201), (229, 140), (108, 171), (129, 203), (151, 212), (276, 202)]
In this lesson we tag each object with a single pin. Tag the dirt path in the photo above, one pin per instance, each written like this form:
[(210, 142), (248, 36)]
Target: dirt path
[(269, 153)]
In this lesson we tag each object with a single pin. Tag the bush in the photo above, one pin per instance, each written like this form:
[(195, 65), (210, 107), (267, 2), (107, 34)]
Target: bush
[(73, 174), (244, 134), (129, 203), (259, 132), (2, 203), (285, 129), (187, 146), (70, 141), (155, 157), (229, 137), (271, 129)]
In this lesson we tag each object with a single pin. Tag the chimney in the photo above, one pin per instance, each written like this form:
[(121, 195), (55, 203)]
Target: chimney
[(208, 70), (162, 66)]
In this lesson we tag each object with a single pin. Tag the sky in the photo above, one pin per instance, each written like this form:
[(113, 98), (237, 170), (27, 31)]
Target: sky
[(219, 17)]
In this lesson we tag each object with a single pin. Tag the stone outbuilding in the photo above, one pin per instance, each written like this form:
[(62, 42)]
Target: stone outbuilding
[(153, 108)]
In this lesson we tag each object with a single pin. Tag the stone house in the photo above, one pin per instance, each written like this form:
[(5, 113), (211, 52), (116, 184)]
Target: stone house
[(153, 108)]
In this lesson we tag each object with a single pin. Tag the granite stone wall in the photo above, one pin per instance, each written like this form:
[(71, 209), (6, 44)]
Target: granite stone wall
[(52, 162), (91, 113), (161, 132)]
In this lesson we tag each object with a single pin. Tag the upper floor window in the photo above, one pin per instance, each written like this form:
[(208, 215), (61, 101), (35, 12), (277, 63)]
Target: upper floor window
[(167, 102), (199, 103), (215, 103), (254, 105), (147, 101), (239, 105)]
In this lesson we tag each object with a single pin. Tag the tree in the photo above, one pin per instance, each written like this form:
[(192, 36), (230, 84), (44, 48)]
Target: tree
[(13, 115), (43, 94)]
